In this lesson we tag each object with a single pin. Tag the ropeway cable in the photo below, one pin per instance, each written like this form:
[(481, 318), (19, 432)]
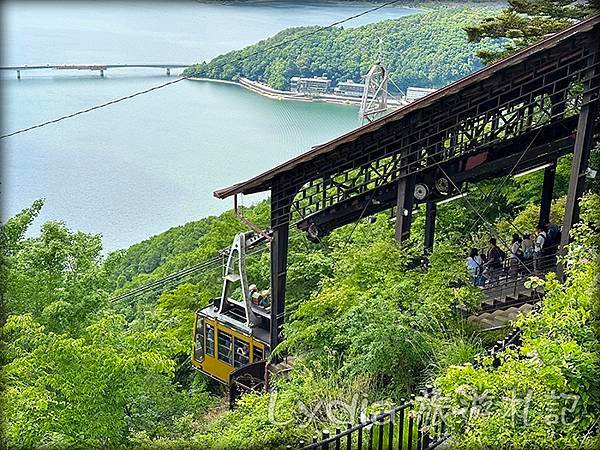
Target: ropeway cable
[(170, 83), (209, 264)]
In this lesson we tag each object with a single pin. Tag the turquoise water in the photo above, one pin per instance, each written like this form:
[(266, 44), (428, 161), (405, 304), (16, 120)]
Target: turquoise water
[(139, 167)]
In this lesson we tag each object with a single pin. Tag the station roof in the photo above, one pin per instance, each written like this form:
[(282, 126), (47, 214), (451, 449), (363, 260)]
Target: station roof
[(264, 181)]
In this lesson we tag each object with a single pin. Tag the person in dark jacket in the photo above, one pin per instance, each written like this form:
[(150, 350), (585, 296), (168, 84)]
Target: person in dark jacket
[(494, 259)]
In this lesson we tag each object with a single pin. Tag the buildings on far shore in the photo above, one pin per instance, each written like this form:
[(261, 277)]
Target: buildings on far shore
[(323, 85), (314, 85), (415, 93), (349, 88)]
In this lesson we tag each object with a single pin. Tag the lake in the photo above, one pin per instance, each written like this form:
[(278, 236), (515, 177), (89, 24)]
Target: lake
[(139, 167)]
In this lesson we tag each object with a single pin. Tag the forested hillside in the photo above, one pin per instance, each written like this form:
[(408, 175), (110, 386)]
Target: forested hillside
[(427, 49), (366, 322), (80, 370)]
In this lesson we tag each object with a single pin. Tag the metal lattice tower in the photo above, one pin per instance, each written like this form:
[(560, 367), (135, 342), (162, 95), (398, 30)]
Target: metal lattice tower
[(375, 95)]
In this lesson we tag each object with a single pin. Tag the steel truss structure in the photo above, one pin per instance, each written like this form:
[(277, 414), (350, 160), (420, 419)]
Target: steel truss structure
[(520, 113)]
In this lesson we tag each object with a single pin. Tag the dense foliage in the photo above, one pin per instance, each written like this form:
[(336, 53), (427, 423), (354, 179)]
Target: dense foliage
[(75, 372), (546, 394), (525, 22), (428, 50)]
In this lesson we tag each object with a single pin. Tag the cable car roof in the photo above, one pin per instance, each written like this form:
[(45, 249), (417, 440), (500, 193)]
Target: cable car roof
[(228, 321)]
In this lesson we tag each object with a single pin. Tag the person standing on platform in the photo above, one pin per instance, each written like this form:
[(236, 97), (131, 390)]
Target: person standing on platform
[(495, 256), (475, 267), (538, 247)]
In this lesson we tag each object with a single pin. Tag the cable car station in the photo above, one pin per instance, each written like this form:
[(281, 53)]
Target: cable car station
[(521, 113)]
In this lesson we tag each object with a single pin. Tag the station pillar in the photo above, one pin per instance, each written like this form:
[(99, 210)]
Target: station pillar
[(280, 218), (547, 192), (430, 213), (404, 206), (584, 141)]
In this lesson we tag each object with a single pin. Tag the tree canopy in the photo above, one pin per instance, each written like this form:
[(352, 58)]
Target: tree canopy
[(525, 22), (425, 49)]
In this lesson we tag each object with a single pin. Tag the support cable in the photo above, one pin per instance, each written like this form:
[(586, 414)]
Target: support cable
[(170, 83), (209, 264), (497, 188), (490, 226)]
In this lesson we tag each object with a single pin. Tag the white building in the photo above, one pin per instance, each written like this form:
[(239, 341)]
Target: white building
[(415, 93), (314, 85), (350, 88)]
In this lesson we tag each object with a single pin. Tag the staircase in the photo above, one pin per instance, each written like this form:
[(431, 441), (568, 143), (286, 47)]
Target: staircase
[(504, 301)]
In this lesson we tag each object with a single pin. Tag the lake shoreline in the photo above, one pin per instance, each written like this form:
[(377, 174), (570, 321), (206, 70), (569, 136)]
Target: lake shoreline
[(275, 94)]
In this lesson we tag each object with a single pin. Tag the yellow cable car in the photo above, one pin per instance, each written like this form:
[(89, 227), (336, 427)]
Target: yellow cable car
[(231, 336)]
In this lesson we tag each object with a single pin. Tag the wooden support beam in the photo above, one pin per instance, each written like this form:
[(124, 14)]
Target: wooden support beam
[(404, 207)]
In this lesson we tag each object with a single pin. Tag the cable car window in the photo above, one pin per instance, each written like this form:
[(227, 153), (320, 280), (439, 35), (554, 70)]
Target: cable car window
[(210, 340), (258, 354), (199, 340), (225, 345), (242, 353)]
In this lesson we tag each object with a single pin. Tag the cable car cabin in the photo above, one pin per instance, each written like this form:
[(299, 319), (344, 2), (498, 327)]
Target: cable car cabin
[(220, 346), (231, 336)]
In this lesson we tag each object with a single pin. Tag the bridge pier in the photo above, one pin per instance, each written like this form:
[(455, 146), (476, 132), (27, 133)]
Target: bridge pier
[(168, 72), (18, 74)]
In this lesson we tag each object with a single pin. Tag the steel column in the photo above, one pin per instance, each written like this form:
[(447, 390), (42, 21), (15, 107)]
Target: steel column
[(279, 254), (404, 207), (547, 192), (584, 140), (430, 213)]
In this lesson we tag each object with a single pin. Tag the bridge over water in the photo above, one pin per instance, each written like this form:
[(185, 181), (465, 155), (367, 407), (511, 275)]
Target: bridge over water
[(94, 67)]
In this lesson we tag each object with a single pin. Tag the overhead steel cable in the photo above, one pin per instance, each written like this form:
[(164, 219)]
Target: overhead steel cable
[(208, 264), (498, 187), (487, 222), (93, 108), (170, 83)]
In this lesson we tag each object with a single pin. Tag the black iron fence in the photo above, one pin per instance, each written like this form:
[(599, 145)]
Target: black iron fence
[(513, 269), (408, 426), (414, 425)]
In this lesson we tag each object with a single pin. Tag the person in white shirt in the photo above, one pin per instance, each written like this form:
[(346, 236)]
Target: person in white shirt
[(538, 247), (516, 255), (475, 267), (527, 246)]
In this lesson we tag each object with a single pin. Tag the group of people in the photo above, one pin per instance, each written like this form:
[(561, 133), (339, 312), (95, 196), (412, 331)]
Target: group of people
[(525, 252), (260, 298)]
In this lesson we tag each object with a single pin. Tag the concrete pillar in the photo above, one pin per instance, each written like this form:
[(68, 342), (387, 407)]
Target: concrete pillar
[(101, 72), (547, 191), (168, 72), (18, 74)]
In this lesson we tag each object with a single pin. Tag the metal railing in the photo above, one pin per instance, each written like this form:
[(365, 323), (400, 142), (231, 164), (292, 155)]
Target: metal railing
[(403, 427), (509, 279), (414, 425)]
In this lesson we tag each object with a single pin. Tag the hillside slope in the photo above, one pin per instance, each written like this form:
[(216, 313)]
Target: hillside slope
[(428, 50)]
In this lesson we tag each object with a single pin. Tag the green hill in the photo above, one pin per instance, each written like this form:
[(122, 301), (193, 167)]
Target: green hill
[(428, 50)]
